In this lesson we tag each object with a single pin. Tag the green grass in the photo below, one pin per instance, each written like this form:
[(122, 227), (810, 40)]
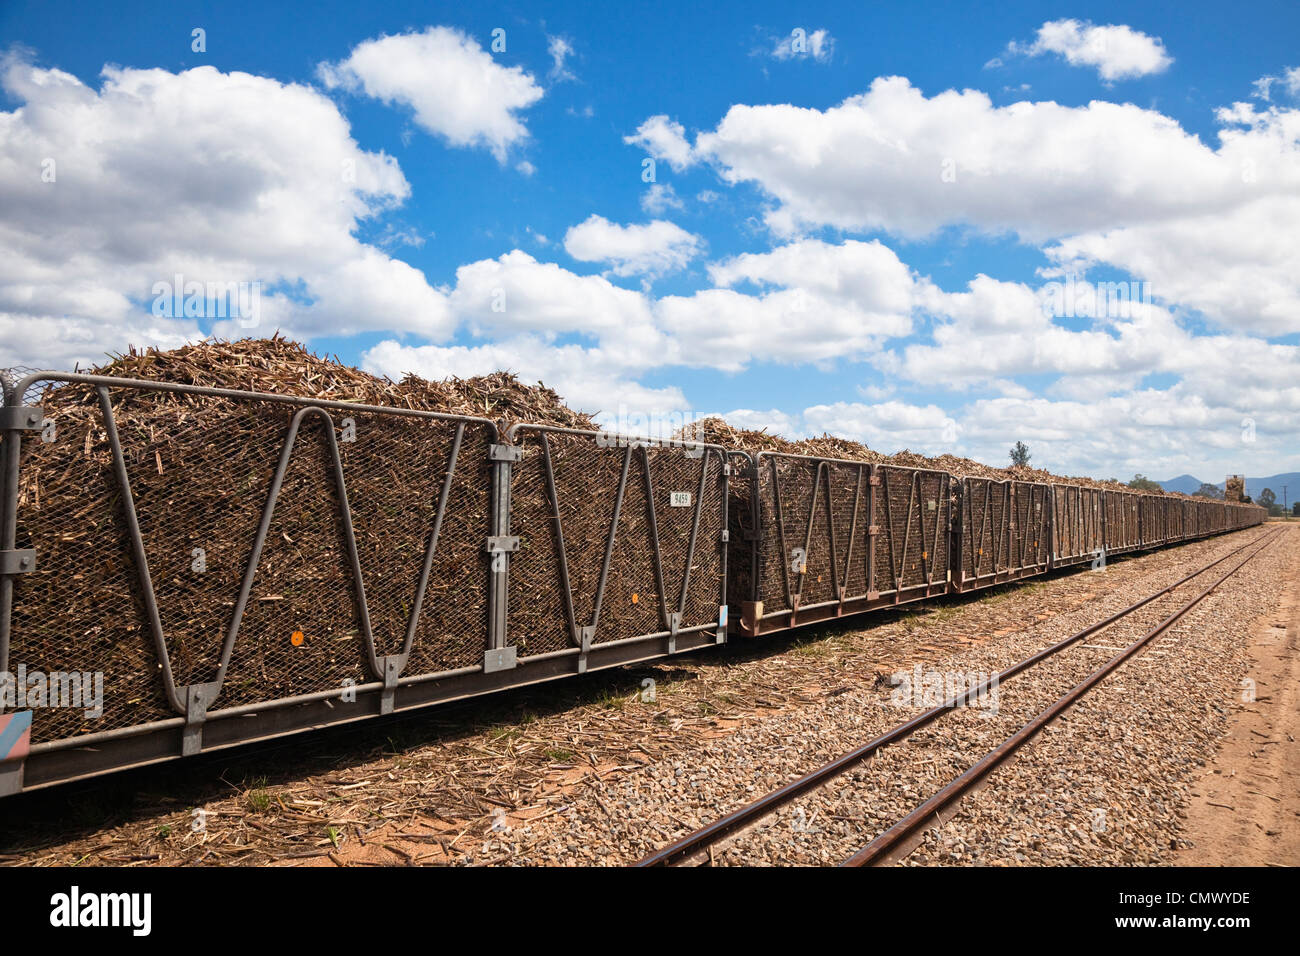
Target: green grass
[(257, 796), (612, 700), (818, 647)]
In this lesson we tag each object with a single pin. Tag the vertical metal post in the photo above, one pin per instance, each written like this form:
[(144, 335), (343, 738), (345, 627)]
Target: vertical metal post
[(725, 546), (873, 530), (10, 454), (751, 604), (958, 506), (12, 769), (498, 655)]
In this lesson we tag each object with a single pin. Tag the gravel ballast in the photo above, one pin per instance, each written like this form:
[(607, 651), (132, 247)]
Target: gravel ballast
[(592, 771)]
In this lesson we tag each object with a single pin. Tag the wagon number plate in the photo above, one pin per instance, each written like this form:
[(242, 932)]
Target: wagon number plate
[(679, 499)]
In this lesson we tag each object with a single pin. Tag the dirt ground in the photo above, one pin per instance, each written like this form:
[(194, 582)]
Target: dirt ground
[(1246, 810)]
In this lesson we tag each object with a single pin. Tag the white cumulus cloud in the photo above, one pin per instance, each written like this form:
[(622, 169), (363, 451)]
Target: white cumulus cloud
[(457, 89), (1118, 52), (665, 140), (649, 249), (1212, 226), (259, 182)]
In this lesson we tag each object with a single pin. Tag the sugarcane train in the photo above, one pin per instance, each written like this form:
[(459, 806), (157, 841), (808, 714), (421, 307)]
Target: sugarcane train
[(185, 569)]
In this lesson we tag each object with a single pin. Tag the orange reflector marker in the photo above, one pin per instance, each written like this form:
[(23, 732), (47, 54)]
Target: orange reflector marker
[(296, 639), (635, 598)]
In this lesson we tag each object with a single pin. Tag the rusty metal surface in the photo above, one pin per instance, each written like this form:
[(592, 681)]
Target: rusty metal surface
[(830, 537), (1006, 531), (812, 531), (1079, 531)]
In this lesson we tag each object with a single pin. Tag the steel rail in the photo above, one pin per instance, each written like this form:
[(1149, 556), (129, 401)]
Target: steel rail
[(881, 849), (745, 816)]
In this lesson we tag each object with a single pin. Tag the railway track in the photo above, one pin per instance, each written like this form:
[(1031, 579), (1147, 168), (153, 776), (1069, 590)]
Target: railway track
[(698, 847)]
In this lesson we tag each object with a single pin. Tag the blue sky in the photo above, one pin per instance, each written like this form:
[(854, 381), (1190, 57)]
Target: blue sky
[(856, 235)]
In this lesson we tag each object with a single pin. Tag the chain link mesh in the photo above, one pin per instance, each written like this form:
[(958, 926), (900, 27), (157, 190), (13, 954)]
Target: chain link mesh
[(985, 528), (818, 502), (1121, 520), (200, 470), (1077, 525), (587, 474), (1033, 517), (912, 512)]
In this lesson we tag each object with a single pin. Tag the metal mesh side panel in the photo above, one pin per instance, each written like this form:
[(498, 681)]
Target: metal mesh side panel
[(1065, 527), (1077, 521), (852, 490), (772, 556), (1031, 531), (912, 511), (743, 526), (1093, 538), (396, 470), (200, 470), (303, 586), (537, 623), (984, 528), (816, 496), (587, 477), (80, 609), (1121, 520)]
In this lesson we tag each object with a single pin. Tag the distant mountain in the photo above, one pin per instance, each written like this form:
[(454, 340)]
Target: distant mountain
[(1183, 484), (1188, 485)]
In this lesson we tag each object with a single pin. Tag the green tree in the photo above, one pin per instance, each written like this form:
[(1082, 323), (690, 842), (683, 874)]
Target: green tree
[(1208, 490), (1295, 510), (1143, 483), (1267, 499), (1020, 455)]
